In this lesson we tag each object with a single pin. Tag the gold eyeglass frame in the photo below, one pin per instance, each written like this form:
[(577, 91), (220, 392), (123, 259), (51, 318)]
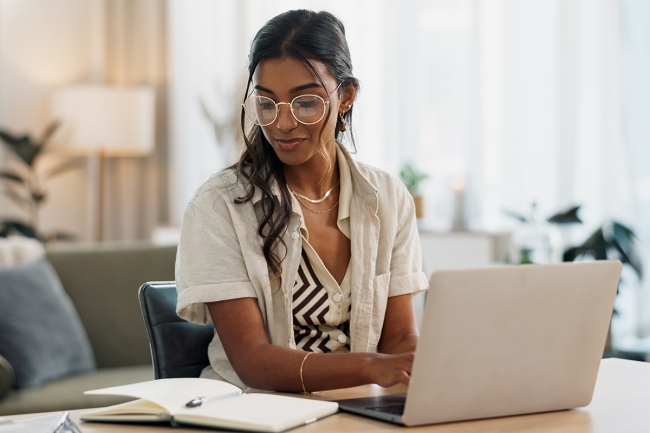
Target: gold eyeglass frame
[(290, 104)]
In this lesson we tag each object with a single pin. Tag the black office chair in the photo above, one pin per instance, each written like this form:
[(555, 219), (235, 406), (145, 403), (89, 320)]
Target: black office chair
[(178, 348)]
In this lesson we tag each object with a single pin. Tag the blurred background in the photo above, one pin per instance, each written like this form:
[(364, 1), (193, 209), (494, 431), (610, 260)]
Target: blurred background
[(503, 113)]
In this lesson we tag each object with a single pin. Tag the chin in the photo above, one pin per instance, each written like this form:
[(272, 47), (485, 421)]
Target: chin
[(296, 156), (293, 158)]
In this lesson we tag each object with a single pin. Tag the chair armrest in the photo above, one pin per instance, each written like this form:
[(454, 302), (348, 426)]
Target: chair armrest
[(6, 377)]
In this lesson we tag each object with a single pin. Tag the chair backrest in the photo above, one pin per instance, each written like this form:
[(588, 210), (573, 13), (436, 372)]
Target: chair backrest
[(178, 348)]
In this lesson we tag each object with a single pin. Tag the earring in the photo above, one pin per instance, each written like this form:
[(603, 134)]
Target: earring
[(342, 127)]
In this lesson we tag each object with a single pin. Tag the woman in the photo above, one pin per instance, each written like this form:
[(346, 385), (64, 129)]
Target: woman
[(305, 261)]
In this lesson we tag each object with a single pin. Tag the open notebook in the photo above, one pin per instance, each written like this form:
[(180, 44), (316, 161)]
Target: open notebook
[(165, 400)]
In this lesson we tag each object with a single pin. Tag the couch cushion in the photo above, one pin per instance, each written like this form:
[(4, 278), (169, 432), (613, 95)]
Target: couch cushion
[(40, 332), (68, 393), (103, 281)]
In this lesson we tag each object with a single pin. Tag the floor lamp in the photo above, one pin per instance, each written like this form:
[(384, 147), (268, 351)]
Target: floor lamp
[(102, 122)]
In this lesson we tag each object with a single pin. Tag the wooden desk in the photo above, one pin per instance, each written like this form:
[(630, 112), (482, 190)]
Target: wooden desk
[(621, 403)]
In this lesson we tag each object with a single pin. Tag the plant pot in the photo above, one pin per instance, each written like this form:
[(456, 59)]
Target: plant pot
[(419, 206)]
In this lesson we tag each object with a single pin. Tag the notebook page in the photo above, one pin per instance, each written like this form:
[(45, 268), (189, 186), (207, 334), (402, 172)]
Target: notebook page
[(170, 394), (257, 412)]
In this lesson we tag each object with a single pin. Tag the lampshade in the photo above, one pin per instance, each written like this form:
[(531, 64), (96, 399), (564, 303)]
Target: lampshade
[(111, 120)]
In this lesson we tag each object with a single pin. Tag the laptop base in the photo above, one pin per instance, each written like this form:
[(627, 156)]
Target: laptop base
[(384, 407)]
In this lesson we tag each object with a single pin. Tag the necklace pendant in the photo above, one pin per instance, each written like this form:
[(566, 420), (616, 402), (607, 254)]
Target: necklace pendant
[(318, 200), (317, 211)]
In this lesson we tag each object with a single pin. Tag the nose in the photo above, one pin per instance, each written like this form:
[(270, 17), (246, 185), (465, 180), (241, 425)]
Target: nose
[(285, 122)]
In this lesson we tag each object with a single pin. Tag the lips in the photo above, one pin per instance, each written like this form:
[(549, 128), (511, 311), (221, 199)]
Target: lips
[(289, 144)]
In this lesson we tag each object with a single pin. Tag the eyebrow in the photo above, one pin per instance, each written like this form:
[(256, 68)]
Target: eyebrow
[(294, 90)]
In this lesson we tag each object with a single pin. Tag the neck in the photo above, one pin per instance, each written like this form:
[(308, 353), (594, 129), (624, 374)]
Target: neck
[(314, 177)]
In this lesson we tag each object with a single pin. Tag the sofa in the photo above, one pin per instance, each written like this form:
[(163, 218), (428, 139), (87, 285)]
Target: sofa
[(102, 280)]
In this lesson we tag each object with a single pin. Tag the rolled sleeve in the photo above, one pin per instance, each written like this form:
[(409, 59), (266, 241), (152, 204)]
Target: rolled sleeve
[(210, 266), (408, 284), (188, 298), (406, 260)]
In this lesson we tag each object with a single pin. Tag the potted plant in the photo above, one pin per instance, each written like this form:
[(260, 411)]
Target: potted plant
[(412, 178), (611, 241), (21, 193)]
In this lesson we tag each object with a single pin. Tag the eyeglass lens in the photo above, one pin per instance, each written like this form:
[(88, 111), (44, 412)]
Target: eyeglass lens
[(307, 109)]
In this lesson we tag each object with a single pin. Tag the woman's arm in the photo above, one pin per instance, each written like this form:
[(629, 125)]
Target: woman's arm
[(262, 365), (399, 333)]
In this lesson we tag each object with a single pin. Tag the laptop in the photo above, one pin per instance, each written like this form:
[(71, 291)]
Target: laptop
[(505, 340)]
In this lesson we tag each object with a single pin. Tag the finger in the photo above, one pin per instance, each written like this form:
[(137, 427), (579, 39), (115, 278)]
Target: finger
[(404, 378), (407, 366)]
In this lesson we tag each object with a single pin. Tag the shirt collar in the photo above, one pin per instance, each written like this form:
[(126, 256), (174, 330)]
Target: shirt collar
[(345, 194)]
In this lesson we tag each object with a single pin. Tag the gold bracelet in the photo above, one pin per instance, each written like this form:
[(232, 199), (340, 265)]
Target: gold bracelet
[(302, 364)]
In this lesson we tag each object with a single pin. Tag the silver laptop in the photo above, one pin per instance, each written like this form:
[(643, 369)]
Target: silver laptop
[(504, 341)]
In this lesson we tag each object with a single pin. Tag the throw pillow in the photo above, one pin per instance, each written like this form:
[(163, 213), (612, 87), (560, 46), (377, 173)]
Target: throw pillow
[(41, 334), (17, 250)]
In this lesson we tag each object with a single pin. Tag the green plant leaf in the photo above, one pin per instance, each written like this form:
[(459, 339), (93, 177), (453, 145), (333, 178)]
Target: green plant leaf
[(47, 133), (22, 146), (624, 240), (569, 216), (411, 178), (612, 240), (570, 254), (8, 228), (598, 245), (10, 176), (526, 258), (25, 147), (38, 197), (9, 193), (514, 215)]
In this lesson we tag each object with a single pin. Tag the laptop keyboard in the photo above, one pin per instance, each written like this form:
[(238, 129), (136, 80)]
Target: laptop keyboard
[(393, 409)]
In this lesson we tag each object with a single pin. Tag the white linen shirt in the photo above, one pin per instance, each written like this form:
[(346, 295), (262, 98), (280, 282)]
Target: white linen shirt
[(220, 258)]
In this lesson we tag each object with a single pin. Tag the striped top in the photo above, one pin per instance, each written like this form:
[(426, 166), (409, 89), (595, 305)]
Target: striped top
[(321, 307), (321, 314)]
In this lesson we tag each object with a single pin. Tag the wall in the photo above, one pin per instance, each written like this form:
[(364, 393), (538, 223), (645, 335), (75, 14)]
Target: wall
[(49, 43), (45, 44)]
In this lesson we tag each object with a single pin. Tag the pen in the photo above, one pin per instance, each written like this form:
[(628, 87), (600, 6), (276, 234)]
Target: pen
[(198, 401)]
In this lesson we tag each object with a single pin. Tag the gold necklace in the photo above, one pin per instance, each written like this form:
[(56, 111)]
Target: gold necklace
[(319, 200), (312, 210)]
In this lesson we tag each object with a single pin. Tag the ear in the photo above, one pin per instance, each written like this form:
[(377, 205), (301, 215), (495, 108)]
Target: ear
[(347, 98)]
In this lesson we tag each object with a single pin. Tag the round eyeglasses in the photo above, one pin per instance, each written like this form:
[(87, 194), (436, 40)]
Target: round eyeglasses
[(306, 109)]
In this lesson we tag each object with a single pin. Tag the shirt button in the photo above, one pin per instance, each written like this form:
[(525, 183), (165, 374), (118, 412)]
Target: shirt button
[(337, 297), (342, 338), (295, 235)]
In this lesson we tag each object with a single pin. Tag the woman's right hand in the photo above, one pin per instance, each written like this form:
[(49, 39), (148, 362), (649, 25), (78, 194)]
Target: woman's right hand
[(389, 370)]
